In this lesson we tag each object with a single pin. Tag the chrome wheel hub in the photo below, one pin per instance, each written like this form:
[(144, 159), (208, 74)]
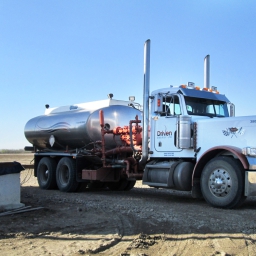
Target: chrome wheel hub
[(220, 182)]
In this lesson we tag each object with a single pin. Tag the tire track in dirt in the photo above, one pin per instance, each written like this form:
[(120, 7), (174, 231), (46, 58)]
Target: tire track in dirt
[(110, 223)]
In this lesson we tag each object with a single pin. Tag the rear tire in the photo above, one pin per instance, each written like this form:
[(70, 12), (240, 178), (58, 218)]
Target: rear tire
[(66, 175), (46, 173), (222, 182)]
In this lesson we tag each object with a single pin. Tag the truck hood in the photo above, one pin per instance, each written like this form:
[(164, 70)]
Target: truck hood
[(229, 131)]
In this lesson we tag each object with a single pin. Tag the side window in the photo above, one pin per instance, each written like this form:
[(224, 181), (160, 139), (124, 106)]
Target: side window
[(177, 109), (166, 109), (175, 105), (170, 106)]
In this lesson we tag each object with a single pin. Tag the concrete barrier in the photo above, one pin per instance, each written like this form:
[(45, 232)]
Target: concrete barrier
[(10, 186)]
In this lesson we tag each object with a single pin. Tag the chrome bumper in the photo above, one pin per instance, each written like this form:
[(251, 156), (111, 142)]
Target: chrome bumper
[(252, 162), (250, 183)]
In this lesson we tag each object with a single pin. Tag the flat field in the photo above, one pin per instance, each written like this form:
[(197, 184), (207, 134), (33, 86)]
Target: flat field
[(143, 221)]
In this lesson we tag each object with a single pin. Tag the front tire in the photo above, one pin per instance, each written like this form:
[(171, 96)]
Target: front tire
[(66, 175), (46, 173), (222, 182)]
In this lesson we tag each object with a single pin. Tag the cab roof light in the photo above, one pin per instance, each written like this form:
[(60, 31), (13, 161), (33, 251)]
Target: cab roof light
[(214, 89), (191, 85), (131, 98)]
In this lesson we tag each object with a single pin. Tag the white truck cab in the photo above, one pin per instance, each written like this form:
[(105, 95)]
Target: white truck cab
[(197, 144)]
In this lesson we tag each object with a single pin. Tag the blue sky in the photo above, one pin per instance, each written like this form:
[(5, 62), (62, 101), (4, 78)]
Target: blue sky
[(64, 52)]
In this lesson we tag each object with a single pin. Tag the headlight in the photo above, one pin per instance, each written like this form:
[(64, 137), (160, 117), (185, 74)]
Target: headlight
[(249, 151)]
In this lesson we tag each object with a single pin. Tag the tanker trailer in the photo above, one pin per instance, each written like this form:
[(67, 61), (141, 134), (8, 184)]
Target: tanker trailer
[(196, 144), (96, 142)]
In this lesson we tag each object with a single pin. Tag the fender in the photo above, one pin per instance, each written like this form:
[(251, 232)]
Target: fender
[(211, 153)]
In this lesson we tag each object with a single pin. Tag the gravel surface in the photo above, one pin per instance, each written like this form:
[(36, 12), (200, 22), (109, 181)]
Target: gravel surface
[(143, 221)]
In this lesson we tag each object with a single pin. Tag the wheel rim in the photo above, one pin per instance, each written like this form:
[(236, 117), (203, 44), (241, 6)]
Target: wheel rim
[(44, 174), (220, 182), (64, 175)]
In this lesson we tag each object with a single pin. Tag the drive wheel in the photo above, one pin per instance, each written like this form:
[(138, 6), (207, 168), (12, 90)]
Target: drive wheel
[(46, 173), (66, 175), (222, 182)]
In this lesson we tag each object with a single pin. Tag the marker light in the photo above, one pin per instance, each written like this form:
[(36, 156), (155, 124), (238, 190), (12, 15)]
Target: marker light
[(132, 98), (158, 102), (191, 85)]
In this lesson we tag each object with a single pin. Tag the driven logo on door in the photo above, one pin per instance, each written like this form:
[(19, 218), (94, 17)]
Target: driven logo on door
[(164, 134)]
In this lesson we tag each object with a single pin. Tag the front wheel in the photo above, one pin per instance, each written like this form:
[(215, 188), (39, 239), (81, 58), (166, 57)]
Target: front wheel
[(66, 175), (222, 182)]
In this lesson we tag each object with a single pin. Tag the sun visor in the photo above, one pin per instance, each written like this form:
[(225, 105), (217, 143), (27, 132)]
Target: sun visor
[(203, 94)]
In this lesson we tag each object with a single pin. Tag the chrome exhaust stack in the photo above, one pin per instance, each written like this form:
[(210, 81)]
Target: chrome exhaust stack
[(207, 71), (146, 90)]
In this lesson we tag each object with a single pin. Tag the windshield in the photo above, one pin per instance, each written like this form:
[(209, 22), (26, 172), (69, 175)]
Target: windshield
[(206, 107)]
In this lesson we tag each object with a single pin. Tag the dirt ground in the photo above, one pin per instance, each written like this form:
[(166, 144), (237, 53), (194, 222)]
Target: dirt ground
[(143, 221)]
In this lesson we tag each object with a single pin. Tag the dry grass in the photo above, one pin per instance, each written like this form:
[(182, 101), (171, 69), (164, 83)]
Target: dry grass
[(26, 158)]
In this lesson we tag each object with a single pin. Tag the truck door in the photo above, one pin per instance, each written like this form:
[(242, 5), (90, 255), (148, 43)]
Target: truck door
[(164, 126)]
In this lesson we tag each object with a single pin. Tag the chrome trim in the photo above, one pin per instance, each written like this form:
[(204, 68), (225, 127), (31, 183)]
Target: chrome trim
[(248, 151), (252, 162), (250, 184), (146, 102), (78, 128), (207, 71), (183, 138)]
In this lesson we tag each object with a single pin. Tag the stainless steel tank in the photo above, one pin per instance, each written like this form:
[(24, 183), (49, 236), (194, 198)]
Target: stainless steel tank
[(77, 128)]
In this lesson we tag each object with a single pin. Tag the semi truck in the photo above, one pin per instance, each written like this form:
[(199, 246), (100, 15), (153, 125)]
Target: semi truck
[(182, 137)]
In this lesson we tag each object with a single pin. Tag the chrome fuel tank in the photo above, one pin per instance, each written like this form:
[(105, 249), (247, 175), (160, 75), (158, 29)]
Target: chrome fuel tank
[(77, 128)]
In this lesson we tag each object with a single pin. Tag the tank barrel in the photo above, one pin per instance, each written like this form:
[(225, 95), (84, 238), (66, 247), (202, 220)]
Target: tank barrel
[(207, 71), (78, 128), (146, 101)]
